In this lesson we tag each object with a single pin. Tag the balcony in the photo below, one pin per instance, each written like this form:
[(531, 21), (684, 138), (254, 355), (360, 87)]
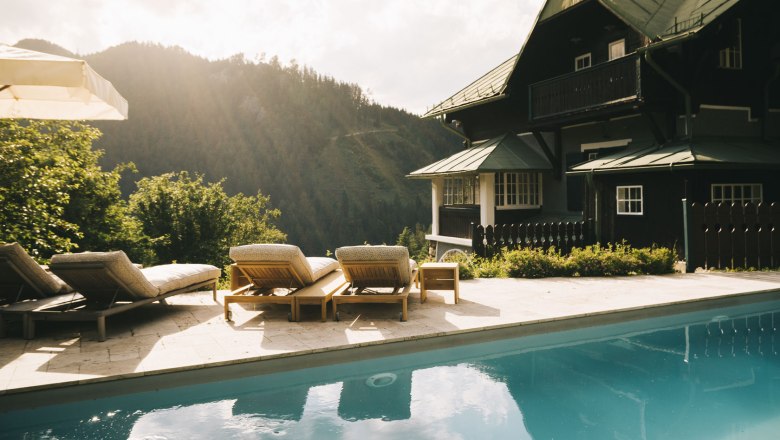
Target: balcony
[(611, 83), (456, 221)]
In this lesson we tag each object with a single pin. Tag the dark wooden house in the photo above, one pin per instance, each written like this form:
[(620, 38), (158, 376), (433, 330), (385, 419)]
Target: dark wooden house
[(616, 111)]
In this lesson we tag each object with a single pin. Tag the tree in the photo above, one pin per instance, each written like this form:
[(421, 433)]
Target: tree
[(191, 221), (54, 196), (415, 241)]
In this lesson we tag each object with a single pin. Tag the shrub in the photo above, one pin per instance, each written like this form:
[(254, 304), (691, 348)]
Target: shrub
[(535, 263), (494, 267), (465, 265)]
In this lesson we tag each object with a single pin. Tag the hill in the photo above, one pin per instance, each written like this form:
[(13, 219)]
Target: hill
[(331, 160)]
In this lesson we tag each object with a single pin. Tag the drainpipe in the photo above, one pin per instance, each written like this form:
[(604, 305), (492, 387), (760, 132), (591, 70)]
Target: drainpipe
[(686, 94), (467, 141), (768, 84)]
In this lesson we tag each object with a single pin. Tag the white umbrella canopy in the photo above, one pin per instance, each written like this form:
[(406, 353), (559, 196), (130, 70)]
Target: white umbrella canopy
[(37, 85)]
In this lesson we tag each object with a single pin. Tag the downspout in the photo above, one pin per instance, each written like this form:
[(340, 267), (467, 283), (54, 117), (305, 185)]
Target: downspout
[(767, 86), (686, 94), (466, 140)]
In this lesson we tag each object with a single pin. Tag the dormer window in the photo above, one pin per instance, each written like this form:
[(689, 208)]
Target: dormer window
[(582, 62), (617, 49), (731, 56)]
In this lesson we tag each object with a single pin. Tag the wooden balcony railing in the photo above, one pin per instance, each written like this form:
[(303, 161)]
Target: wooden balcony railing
[(608, 83), (456, 221)]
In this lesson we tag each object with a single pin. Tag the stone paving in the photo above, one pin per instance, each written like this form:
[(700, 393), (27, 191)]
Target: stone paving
[(191, 333)]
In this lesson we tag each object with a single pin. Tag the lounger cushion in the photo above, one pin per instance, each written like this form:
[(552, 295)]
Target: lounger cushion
[(309, 269), (376, 253), (321, 266), (170, 277), (118, 265), (42, 281)]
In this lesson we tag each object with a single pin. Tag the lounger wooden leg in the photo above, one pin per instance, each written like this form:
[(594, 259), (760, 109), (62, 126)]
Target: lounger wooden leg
[(28, 327), (335, 309), (403, 310), (101, 328), (227, 308)]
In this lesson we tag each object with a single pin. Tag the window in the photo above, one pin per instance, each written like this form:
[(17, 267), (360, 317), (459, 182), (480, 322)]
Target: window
[(629, 200), (461, 190), (582, 62), (518, 190), (731, 56), (617, 49), (737, 193)]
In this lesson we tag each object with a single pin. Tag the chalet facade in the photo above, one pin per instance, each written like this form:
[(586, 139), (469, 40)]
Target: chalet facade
[(615, 112)]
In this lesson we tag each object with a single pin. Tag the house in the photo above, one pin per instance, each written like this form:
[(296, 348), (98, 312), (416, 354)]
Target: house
[(615, 111)]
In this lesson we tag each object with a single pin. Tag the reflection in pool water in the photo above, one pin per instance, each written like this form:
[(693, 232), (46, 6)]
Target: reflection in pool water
[(715, 376)]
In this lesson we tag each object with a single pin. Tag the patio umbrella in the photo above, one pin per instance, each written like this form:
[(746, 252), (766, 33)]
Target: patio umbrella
[(36, 85)]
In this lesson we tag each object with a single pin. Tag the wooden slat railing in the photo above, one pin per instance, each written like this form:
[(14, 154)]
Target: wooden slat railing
[(486, 241)]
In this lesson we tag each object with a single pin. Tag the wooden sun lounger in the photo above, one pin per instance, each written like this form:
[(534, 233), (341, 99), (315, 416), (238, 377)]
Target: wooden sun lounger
[(378, 273), (274, 275)]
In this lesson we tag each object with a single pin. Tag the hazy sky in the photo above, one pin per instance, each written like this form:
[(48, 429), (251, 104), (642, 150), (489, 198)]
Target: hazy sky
[(406, 53)]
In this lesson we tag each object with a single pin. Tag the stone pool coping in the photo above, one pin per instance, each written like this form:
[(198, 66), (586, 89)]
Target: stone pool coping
[(191, 333)]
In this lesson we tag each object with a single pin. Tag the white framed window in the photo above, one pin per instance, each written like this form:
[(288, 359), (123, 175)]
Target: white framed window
[(630, 200), (737, 193), (731, 56), (518, 190), (582, 62), (461, 190), (617, 49)]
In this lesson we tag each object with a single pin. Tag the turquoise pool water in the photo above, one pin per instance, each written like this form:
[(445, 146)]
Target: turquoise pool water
[(707, 375)]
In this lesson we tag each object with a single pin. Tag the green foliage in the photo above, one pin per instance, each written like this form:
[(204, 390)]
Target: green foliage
[(416, 243), (54, 196), (190, 221), (535, 263), (466, 264), (596, 260)]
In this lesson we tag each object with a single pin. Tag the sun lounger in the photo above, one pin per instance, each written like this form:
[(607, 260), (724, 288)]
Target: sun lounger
[(272, 274), (25, 285), (111, 284), (367, 268), (22, 278)]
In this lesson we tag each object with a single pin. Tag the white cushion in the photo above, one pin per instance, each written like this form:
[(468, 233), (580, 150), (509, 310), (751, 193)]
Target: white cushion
[(170, 277), (117, 264), (399, 254), (42, 281), (309, 269)]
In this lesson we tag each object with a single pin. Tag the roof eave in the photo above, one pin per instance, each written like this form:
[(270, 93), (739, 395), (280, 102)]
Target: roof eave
[(432, 114)]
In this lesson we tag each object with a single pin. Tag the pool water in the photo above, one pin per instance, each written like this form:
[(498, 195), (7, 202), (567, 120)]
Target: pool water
[(707, 375)]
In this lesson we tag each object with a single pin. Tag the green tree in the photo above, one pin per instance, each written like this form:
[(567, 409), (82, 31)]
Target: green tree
[(54, 196), (415, 241), (192, 221)]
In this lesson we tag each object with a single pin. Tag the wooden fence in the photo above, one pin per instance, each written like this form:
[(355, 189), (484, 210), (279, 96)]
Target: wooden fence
[(731, 236), (486, 241)]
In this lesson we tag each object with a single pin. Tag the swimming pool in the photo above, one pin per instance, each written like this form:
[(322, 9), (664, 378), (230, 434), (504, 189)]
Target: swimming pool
[(707, 374)]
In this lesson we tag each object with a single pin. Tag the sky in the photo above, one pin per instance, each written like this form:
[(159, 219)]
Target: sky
[(410, 54)]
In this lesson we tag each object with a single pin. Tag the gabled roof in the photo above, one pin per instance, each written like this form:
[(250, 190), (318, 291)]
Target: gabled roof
[(699, 153), (507, 152), (489, 87), (656, 19), (664, 18)]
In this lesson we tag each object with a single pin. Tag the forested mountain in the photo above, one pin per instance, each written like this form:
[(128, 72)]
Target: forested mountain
[(331, 160)]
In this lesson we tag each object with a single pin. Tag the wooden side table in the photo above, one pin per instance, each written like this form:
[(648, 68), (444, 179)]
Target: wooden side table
[(438, 276)]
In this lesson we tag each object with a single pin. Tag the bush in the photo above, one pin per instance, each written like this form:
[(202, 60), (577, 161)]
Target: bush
[(535, 263), (465, 265), (595, 260)]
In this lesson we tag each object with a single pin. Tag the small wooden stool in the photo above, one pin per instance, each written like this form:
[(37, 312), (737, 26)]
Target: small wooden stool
[(438, 276)]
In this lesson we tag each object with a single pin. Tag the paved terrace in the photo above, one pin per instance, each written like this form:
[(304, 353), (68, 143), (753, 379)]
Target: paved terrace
[(191, 333)]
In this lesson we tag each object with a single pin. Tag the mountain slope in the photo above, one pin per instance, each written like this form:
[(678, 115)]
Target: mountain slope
[(332, 161)]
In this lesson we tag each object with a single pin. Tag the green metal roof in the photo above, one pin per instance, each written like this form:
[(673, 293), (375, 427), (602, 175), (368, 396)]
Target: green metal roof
[(489, 87), (665, 18), (653, 18), (700, 153), (507, 152)]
